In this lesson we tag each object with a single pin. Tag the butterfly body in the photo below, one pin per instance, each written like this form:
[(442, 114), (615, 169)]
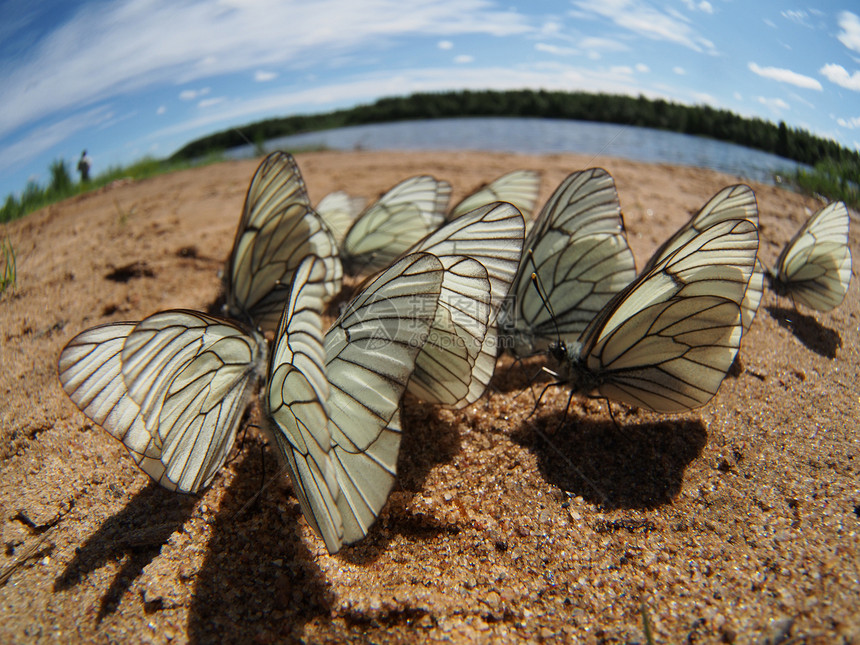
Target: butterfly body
[(334, 399), (389, 227), (480, 251), (172, 388), (278, 228), (578, 251), (667, 340)]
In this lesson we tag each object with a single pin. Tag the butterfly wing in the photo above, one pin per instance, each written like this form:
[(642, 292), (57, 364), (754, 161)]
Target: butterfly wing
[(338, 210), (297, 393), (578, 250), (753, 296), (670, 356), (370, 355), (172, 388), (90, 371), (393, 224), (518, 187), (667, 340), (814, 268), (444, 367), (730, 203), (459, 358), (277, 230)]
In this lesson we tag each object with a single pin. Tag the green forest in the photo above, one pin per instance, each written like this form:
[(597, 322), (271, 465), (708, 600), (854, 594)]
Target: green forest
[(797, 145), (835, 170)]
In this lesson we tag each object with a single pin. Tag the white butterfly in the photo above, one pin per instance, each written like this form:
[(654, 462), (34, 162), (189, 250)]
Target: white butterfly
[(480, 252), (339, 210), (172, 387), (395, 222), (334, 400), (814, 268), (518, 187), (277, 230), (578, 250), (732, 202), (666, 341)]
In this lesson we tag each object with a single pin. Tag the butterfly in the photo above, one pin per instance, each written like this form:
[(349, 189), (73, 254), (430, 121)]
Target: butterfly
[(814, 268), (480, 252), (172, 388), (277, 230), (578, 251), (339, 210), (732, 202), (518, 187), (666, 341), (334, 399), (395, 222)]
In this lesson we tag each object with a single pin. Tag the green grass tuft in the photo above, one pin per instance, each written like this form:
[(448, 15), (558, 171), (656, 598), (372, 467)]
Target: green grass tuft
[(61, 186), (10, 272)]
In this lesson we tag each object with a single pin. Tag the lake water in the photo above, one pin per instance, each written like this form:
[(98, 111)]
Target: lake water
[(540, 136)]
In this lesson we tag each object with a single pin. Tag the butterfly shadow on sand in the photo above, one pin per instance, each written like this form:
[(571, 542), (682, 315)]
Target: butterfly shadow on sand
[(258, 579), (822, 340), (428, 440), (637, 466), (134, 536)]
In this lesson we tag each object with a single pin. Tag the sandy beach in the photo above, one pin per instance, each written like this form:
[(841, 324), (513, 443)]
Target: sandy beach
[(734, 523)]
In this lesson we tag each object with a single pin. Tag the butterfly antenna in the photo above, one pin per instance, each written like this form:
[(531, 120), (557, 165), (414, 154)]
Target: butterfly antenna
[(545, 302), (241, 445)]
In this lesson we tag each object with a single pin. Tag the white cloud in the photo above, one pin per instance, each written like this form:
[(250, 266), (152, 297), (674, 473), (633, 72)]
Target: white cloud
[(851, 123), (643, 68), (704, 98), (786, 76), (444, 44), (190, 95), (198, 39), (603, 44), (797, 16), (550, 28), (205, 103), (850, 34), (161, 110), (643, 19), (680, 71), (262, 76), (839, 75), (44, 138), (547, 75), (704, 6), (558, 50), (463, 59), (776, 105)]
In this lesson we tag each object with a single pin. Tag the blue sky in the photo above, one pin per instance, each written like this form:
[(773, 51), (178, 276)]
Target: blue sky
[(128, 78)]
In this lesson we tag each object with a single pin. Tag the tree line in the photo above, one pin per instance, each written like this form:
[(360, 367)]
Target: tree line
[(835, 170), (791, 143)]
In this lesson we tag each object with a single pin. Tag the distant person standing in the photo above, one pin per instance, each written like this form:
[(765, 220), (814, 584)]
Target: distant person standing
[(84, 167)]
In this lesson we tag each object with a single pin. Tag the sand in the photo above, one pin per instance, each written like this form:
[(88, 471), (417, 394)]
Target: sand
[(738, 522)]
